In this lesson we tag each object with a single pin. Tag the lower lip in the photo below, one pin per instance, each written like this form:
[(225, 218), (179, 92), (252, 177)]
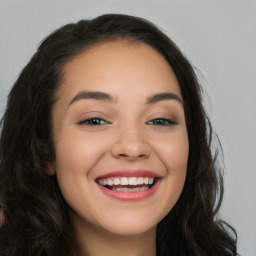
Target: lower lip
[(130, 196)]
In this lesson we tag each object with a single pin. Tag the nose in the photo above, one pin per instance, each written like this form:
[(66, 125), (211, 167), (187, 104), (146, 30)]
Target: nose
[(131, 145)]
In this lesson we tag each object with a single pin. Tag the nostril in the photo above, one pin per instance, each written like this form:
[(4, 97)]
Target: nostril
[(132, 157), (130, 149)]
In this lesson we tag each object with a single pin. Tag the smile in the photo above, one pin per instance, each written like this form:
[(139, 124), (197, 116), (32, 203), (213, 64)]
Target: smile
[(129, 188), (127, 184)]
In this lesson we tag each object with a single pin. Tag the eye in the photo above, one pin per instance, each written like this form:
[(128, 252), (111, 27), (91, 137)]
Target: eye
[(162, 121), (94, 121)]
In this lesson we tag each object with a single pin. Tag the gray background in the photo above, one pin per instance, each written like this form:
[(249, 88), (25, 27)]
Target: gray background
[(219, 37)]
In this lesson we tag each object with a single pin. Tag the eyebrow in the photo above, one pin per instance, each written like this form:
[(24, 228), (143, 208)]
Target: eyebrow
[(92, 95), (102, 96), (163, 96)]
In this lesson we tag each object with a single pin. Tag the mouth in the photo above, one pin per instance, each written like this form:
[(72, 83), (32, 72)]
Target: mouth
[(129, 185)]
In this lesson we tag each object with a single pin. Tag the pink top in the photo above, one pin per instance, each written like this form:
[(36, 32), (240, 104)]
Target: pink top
[(2, 218)]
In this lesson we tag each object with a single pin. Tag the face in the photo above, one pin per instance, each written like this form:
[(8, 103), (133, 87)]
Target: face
[(120, 138)]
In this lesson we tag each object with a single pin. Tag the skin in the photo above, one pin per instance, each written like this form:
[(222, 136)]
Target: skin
[(125, 138)]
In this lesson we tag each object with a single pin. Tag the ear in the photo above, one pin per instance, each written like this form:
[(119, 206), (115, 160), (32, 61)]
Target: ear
[(51, 170)]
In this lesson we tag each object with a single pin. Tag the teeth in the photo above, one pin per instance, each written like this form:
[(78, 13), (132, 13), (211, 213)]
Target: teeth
[(116, 181), (109, 182), (140, 181), (133, 181), (150, 181), (101, 182), (124, 181)]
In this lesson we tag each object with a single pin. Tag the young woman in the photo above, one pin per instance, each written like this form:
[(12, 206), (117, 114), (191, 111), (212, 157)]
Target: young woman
[(106, 149)]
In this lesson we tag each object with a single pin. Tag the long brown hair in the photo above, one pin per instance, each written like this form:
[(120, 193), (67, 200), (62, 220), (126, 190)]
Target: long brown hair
[(37, 215)]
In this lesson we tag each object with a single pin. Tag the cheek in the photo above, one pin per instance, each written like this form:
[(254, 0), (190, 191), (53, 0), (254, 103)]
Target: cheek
[(77, 152), (76, 155), (176, 159), (174, 155), (174, 152)]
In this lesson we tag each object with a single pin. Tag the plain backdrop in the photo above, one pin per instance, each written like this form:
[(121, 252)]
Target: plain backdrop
[(219, 38)]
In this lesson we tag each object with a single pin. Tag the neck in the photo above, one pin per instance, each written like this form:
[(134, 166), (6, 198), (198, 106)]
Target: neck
[(93, 241)]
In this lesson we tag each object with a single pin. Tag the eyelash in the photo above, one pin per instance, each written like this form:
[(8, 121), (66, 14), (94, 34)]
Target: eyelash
[(95, 121), (162, 122)]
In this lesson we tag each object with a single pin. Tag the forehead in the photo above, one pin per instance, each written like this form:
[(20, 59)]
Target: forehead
[(119, 63)]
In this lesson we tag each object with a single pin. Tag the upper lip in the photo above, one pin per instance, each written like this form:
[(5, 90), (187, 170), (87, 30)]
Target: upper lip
[(130, 173)]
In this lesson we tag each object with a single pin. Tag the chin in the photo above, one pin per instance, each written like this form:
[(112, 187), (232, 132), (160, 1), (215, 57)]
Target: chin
[(131, 230), (131, 225)]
